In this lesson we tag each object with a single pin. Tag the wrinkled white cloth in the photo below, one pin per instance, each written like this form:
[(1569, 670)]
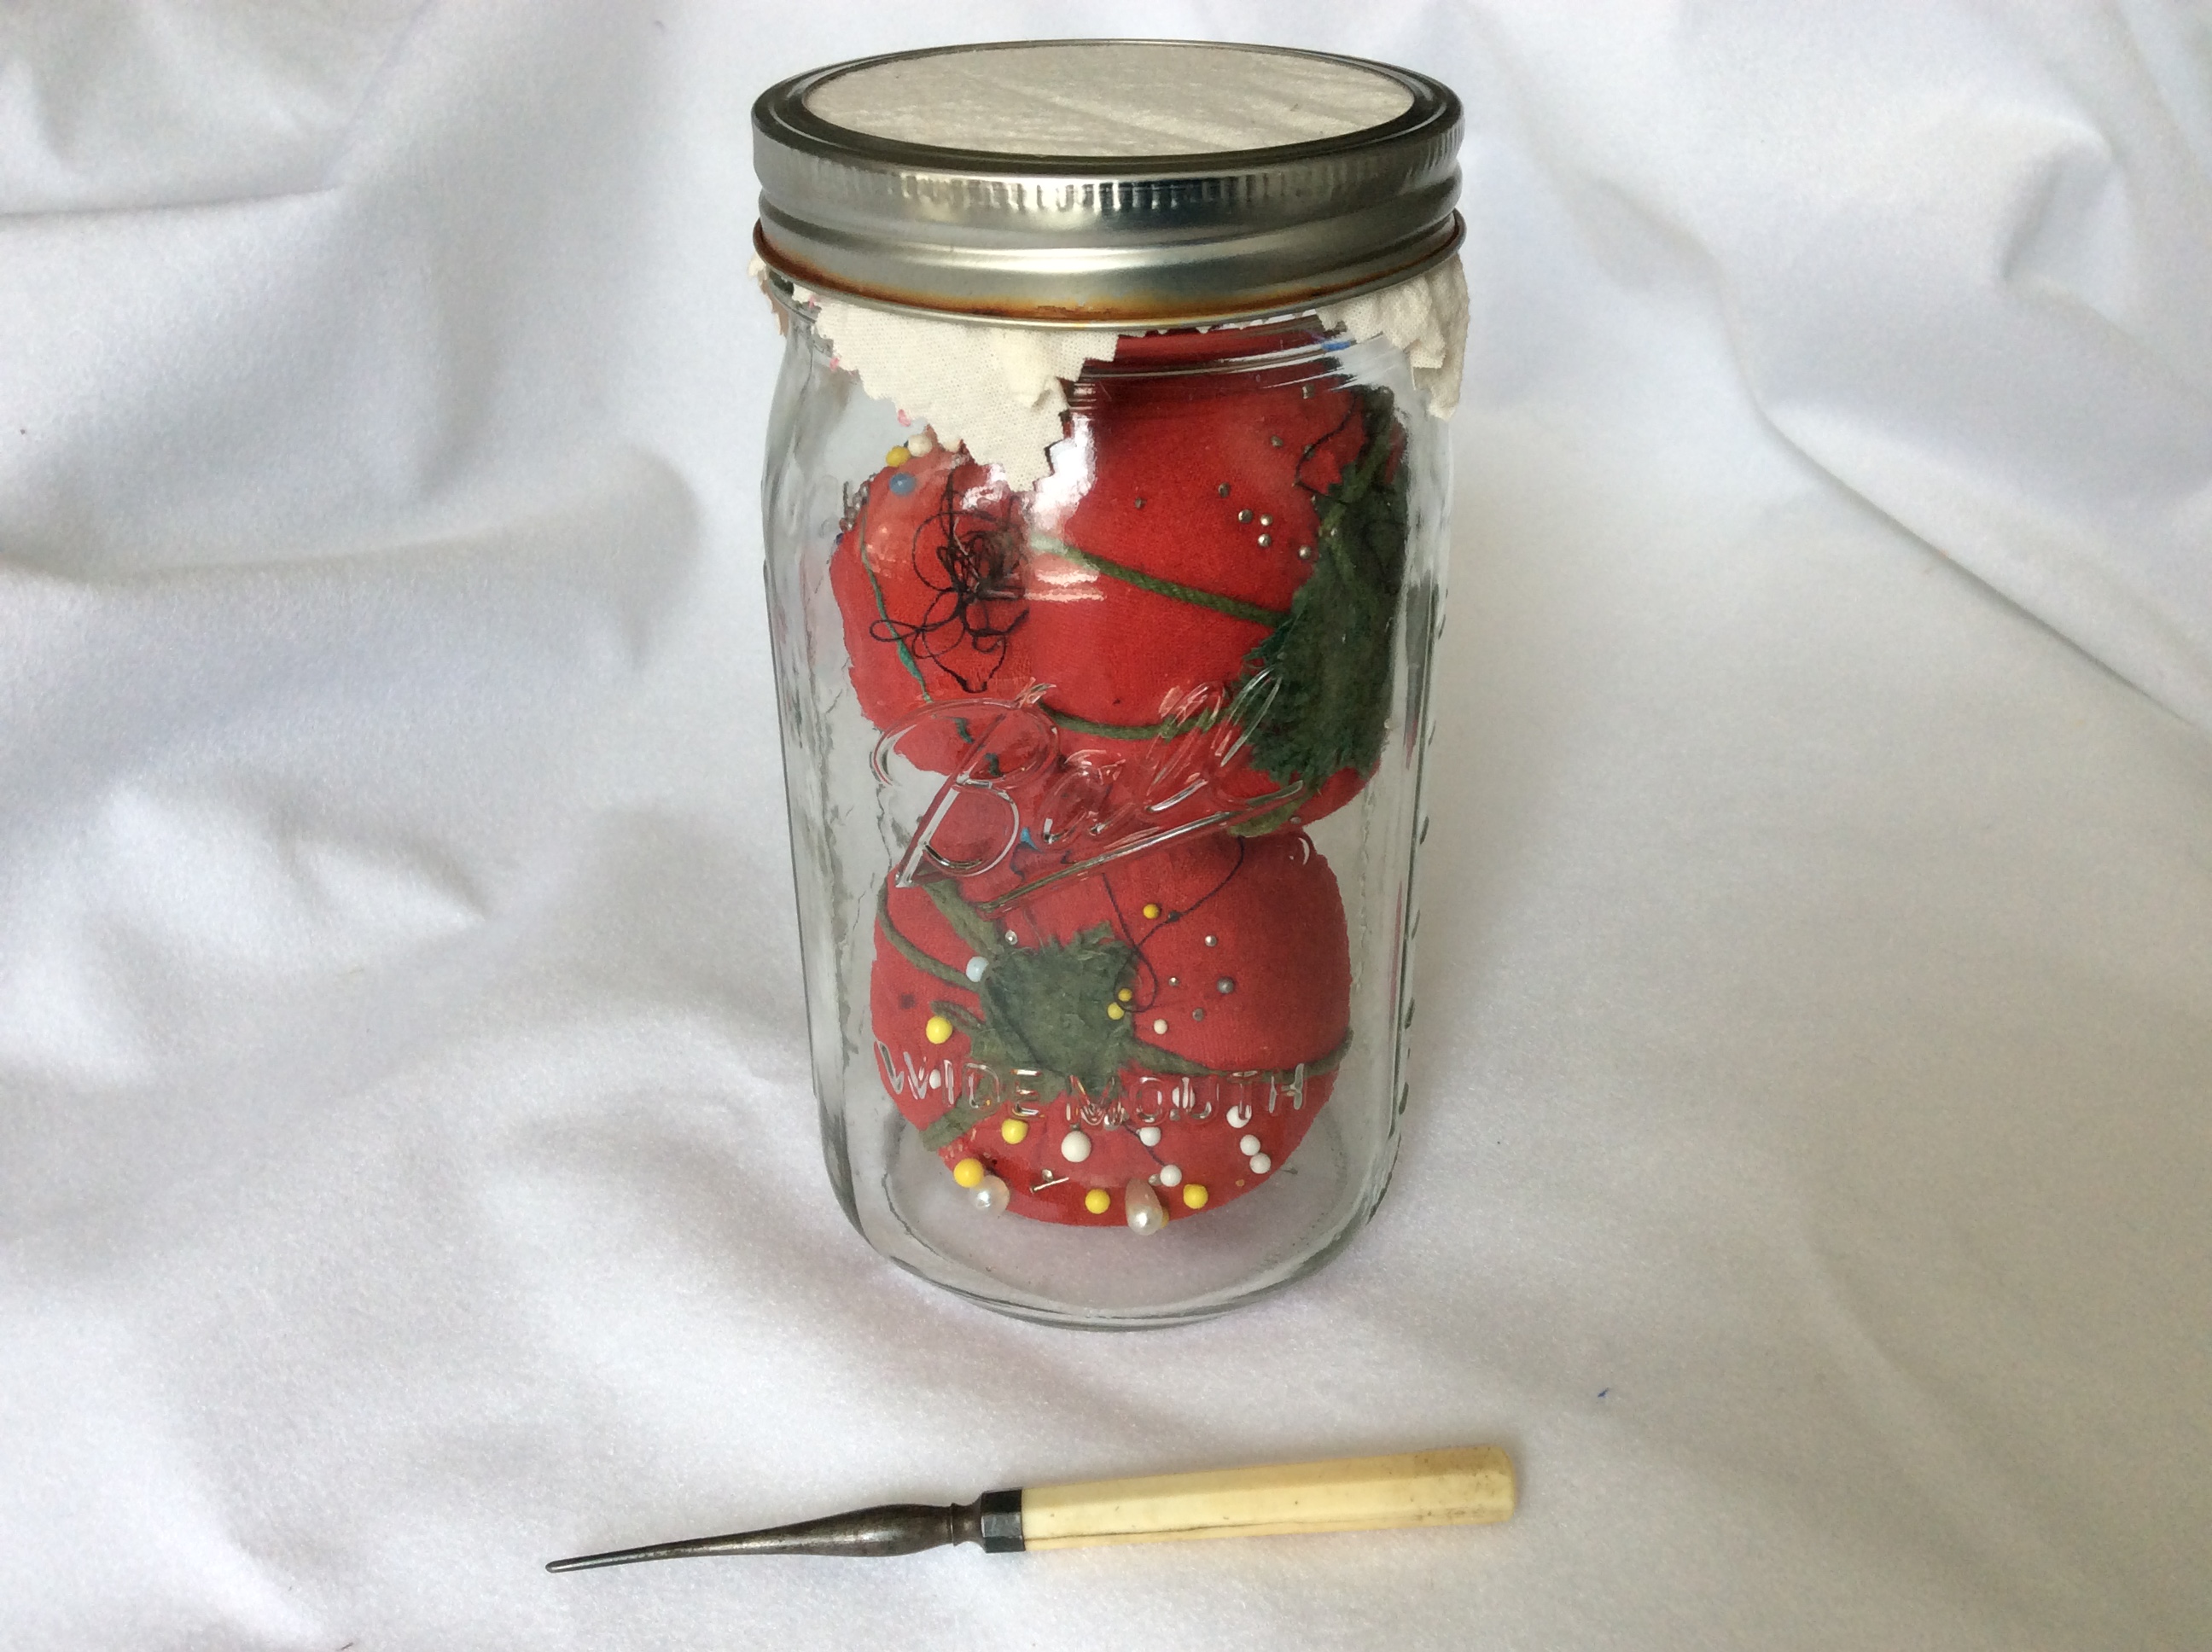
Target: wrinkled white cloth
[(1424, 317), (1000, 390), (407, 1165)]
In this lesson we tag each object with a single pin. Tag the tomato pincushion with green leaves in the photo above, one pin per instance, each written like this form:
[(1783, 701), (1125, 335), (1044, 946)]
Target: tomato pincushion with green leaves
[(1173, 1021), (1209, 577)]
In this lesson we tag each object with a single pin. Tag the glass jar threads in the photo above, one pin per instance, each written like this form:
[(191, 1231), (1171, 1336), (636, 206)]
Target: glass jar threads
[(1106, 492)]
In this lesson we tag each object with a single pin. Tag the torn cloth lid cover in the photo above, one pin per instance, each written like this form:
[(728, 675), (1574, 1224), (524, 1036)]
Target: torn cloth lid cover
[(973, 223)]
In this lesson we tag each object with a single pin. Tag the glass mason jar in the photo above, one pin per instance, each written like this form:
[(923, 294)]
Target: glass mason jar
[(1104, 750)]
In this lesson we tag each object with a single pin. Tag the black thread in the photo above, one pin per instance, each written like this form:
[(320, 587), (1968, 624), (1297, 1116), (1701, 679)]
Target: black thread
[(969, 557)]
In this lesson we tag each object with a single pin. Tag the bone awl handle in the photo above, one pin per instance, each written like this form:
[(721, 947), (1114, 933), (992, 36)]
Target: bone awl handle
[(1463, 1486)]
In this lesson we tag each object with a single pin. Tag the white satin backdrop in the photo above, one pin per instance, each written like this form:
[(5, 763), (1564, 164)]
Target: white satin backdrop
[(407, 1168)]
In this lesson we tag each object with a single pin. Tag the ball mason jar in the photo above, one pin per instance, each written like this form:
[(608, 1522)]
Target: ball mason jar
[(1105, 499)]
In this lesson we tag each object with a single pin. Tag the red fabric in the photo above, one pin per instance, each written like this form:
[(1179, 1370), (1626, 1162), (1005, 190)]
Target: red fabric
[(1271, 907), (1175, 441), (945, 597), (929, 586)]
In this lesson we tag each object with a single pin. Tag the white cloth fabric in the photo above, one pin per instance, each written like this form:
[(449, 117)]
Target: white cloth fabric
[(1001, 392), (998, 392), (1426, 317), (407, 1170)]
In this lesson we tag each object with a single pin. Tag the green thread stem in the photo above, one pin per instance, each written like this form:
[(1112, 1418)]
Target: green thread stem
[(970, 925), (1232, 606), (913, 954), (1075, 725), (883, 610)]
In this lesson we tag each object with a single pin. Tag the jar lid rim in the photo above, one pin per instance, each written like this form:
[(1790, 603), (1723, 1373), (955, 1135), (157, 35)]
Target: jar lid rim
[(1101, 239)]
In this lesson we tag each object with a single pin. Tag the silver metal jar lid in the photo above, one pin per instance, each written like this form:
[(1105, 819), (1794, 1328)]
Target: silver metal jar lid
[(1106, 182)]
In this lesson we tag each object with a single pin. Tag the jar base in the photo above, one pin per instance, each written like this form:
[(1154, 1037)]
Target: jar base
[(1202, 1265)]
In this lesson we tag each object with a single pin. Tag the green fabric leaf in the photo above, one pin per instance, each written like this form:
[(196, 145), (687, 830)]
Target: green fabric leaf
[(1329, 661), (1045, 1008)]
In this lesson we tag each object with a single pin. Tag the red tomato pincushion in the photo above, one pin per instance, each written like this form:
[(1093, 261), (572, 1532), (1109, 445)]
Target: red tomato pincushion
[(1175, 1019), (1215, 560)]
